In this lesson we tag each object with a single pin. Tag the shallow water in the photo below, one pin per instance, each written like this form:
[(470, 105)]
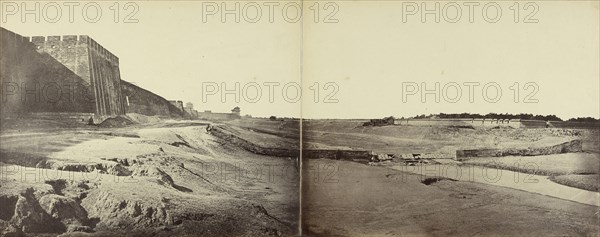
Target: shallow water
[(505, 178)]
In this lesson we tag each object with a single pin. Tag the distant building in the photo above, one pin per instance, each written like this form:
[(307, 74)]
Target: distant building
[(190, 111), (236, 110), (178, 104)]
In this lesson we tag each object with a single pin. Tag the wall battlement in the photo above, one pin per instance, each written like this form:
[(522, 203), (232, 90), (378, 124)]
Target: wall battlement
[(79, 54), (72, 40), (33, 82)]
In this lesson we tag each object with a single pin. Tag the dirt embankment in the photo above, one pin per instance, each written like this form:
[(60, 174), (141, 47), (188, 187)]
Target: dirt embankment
[(226, 134), (230, 136)]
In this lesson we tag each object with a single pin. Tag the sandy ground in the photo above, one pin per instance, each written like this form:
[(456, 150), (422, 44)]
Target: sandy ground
[(164, 180), (173, 179), (352, 199)]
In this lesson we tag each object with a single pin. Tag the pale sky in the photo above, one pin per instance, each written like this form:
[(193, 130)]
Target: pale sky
[(367, 56)]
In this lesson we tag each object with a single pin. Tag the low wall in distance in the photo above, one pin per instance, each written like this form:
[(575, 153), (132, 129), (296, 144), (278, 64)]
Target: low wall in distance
[(427, 156), (217, 116), (514, 123)]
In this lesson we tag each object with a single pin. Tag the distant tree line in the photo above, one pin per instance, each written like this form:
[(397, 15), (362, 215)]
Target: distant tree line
[(551, 117), (584, 119)]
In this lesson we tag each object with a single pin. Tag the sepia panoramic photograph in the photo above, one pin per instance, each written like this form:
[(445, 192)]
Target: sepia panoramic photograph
[(299, 118)]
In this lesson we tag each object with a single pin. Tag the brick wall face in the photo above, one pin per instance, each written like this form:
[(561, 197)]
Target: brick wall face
[(106, 79), (35, 81), (93, 63), (138, 100)]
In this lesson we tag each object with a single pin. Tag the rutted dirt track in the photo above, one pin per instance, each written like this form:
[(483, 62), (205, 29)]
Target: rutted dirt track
[(164, 180)]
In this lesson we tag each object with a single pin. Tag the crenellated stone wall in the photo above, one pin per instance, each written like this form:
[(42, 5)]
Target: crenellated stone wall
[(33, 81), (141, 101), (93, 63)]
